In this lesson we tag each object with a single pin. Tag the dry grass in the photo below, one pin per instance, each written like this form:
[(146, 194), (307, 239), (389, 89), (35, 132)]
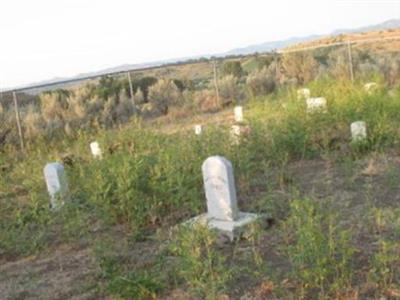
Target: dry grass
[(361, 39)]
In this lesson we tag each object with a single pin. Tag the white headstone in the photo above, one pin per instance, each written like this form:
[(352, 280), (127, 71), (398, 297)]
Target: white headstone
[(358, 131), (219, 185), (235, 134), (198, 129), (96, 151), (57, 184), (370, 86), (303, 94), (222, 210), (316, 104), (238, 110)]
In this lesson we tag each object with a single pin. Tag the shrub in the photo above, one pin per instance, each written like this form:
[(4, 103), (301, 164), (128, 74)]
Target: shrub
[(233, 68), (320, 252), (206, 100), (163, 94), (229, 90), (34, 123), (201, 265), (261, 82), (139, 97), (300, 66)]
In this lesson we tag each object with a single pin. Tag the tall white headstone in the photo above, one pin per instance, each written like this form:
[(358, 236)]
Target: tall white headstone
[(198, 129), (316, 104), (238, 110), (303, 94), (358, 131), (96, 150), (222, 210), (57, 185), (219, 185)]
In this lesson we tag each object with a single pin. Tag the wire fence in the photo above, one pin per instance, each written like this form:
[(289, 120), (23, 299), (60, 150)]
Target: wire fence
[(19, 129)]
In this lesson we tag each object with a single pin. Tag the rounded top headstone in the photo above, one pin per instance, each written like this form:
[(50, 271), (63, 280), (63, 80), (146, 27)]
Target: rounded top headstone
[(219, 184)]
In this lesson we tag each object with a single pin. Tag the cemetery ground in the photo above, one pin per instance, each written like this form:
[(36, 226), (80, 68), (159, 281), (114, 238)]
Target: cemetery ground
[(333, 227)]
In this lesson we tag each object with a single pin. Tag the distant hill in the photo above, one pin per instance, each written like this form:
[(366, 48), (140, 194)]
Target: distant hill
[(262, 47), (276, 45), (381, 40), (390, 24)]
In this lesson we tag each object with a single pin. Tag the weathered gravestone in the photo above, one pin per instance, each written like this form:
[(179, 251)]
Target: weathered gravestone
[(222, 210), (198, 129), (96, 151), (220, 189), (303, 94), (239, 131), (57, 184), (358, 131), (235, 134), (238, 111), (370, 87), (316, 105)]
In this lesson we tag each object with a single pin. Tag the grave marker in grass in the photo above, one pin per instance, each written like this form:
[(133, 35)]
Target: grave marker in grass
[(370, 87), (96, 150), (57, 184), (303, 94), (316, 105), (198, 129), (238, 111), (358, 131), (237, 132), (222, 214)]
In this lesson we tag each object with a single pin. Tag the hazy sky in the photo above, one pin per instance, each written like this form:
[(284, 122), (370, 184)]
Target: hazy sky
[(42, 39)]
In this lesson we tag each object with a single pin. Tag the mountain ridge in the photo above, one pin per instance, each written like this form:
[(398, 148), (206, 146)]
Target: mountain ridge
[(255, 48)]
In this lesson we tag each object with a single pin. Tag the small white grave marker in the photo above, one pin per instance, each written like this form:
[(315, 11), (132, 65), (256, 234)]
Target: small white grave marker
[(57, 184), (198, 129), (303, 94), (235, 134), (238, 110), (358, 131), (316, 105), (96, 151), (223, 213), (237, 131), (370, 86)]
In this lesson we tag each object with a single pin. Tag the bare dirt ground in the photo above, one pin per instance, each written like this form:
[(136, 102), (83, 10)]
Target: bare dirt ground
[(63, 274)]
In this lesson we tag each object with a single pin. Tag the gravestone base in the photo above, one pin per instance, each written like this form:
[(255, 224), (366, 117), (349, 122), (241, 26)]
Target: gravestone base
[(231, 229)]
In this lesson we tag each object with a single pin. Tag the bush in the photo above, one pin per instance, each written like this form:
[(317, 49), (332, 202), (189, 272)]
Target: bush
[(34, 123), (163, 94), (229, 90), (300, 66), (318, 249), (206, 100), (261, 82), (233, 68)]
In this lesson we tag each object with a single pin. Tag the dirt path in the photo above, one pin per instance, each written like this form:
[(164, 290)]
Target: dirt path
[(64, 274)]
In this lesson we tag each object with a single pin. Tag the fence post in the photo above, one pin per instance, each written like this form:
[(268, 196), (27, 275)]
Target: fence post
[(277, 72), (21, 137), (350, 61), (216, 83), (131, 91)]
